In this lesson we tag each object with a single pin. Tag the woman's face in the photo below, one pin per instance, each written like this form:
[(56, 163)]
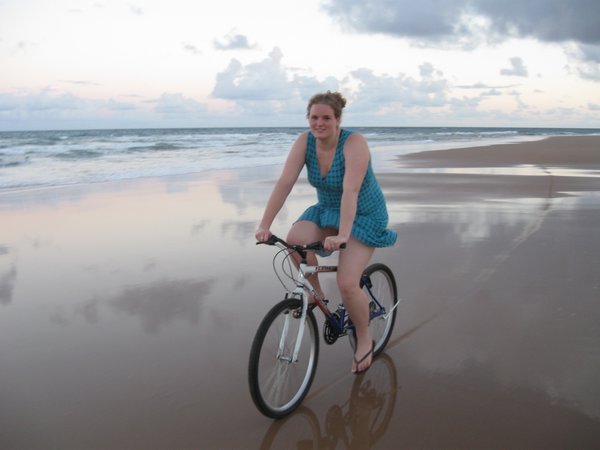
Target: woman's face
[(322, 121)]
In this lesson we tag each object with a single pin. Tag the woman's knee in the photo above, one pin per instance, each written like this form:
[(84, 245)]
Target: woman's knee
[(347, 284), (303, 232)]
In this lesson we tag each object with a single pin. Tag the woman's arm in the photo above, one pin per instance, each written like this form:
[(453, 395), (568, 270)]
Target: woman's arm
[(356, 154), (291, 170)]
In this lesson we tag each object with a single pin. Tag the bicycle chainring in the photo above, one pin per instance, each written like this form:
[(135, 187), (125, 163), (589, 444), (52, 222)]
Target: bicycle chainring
[(330, 334)]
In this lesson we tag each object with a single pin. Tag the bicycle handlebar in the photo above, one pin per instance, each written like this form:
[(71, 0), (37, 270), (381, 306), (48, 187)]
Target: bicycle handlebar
[(315, 246)]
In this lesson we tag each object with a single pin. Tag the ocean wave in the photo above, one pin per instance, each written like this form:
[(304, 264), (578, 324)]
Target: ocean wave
[(157, 147), (78, 154), (11, 161), (48, 158)]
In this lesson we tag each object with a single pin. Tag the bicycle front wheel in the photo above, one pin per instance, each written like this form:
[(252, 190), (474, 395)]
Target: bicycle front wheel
[(278, 379), (379, 285)]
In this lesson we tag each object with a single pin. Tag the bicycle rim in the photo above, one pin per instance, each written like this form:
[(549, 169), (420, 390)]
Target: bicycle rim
[(277, 384), (381, 310)]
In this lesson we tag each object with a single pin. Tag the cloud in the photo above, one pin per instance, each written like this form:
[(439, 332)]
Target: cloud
[(379, 93), (546, 20), (191, 48), (177, 105), (53, 104), (233, 41), (470, 23), (424, 19), (586, 60), (50, 109), (80, 82), (485, 86), (518, 69), (269, 84), (136, 10), (264, 80)]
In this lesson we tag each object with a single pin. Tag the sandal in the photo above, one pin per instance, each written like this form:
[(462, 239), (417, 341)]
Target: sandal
[(357, 362)]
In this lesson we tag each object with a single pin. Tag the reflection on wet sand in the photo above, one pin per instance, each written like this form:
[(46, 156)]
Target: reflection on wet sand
[(7, 283), (359, 422), (164, 302), (156, 305)]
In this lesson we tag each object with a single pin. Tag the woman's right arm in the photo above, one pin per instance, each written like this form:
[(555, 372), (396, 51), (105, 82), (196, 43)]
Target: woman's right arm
[(291, 170)]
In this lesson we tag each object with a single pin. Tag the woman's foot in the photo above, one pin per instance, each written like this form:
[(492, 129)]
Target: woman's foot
[(363, 358)]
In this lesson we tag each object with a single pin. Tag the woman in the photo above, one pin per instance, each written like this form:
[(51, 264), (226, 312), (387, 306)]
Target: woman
[(351, 208)]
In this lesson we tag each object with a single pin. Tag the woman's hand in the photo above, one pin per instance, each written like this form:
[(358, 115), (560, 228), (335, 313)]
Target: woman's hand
[(333, 243), (262, 235)]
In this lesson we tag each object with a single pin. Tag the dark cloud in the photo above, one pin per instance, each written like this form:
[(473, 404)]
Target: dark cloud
[(586, 61), (546, 20), (517, 68)]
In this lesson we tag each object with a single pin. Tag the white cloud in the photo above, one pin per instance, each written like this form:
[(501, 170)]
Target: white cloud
[(264, 80), (178, 106), (191, 48), (233, 41)]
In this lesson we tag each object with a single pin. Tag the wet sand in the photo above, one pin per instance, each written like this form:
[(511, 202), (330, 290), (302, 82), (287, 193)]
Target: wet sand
[(127, 311)]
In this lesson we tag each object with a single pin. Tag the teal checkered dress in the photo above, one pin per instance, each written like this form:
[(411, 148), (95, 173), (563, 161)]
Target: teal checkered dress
[(370, 223)]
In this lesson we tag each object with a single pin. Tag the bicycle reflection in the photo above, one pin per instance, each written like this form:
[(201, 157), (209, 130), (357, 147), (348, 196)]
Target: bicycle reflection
[(357, 424)]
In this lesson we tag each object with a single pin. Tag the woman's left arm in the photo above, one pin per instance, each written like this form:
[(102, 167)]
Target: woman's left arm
[(356, 154)]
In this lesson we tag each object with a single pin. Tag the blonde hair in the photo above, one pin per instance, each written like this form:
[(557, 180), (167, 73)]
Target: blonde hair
[(333, 99)]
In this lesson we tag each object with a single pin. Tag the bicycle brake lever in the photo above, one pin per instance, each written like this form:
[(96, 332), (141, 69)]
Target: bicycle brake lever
[(271, 241)]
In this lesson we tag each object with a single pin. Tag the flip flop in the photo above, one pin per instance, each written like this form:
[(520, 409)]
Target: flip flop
[(357, 362)]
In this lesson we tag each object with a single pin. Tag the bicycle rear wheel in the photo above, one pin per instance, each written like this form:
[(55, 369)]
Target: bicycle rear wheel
[(379, 285), (278, 384)]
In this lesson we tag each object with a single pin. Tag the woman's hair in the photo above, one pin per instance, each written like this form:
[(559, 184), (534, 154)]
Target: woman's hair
[(333, 99)]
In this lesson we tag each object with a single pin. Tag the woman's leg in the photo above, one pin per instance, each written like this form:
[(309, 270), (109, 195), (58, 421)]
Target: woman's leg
[(307, 232), (352, 262)]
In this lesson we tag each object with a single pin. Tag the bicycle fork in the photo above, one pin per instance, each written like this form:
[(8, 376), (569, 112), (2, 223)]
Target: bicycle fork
[(284, 335)]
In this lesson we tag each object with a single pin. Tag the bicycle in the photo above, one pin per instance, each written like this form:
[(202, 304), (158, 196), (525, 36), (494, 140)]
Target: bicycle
[(285, 349)]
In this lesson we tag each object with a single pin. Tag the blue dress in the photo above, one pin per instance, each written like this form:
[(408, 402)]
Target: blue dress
[(370, 222)]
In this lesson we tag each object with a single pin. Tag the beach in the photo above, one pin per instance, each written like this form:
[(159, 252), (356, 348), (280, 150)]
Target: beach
[(128, 307)]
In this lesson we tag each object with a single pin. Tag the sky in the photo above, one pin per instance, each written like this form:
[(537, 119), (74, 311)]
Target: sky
[(74, 64)]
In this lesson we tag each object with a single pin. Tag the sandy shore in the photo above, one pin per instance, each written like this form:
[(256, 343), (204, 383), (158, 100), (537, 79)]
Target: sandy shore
[(127, 311)]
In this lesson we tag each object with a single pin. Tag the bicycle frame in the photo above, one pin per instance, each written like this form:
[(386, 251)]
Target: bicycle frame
[(301, 292), (339, 322)]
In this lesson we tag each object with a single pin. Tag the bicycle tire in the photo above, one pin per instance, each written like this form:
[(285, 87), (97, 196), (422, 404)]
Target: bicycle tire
[(385, 291), (278, 385)]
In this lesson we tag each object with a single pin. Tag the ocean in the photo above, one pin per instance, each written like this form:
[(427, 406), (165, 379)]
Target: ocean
[(32, 159)]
